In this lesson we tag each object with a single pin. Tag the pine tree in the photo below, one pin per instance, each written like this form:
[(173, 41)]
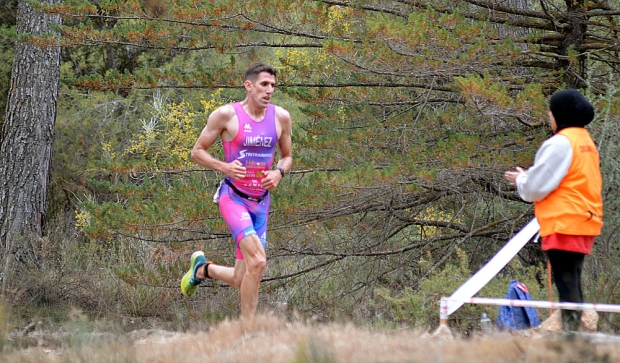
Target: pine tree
[(408, 112), (28, 135)]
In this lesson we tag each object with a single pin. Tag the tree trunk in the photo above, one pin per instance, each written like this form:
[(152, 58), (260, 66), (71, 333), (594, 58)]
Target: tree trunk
[(575, 16), (28, 133)]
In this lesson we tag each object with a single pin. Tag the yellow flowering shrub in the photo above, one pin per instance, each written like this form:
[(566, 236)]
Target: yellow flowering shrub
[(167, 138)]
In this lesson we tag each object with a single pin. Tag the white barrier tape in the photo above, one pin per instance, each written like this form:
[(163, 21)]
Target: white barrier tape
[(543, 304), (492, 268)]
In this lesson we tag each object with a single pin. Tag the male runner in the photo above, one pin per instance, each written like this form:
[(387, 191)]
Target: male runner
[(250, 131)]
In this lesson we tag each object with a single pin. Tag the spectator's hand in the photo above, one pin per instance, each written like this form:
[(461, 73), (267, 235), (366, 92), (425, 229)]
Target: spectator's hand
[(511, 176)]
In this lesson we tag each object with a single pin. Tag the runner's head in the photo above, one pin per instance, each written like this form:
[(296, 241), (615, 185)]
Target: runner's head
[(252, 72), (260, 83)]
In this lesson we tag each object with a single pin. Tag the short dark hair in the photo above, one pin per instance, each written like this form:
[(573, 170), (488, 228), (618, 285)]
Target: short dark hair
[(255, 69)]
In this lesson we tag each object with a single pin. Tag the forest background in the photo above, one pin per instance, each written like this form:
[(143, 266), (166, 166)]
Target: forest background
[(405, 115)]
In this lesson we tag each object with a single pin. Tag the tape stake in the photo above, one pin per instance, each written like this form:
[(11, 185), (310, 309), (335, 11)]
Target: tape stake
[(443, 308)]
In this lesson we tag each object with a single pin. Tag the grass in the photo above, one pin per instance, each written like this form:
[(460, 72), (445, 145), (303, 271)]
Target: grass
[(272, 338)]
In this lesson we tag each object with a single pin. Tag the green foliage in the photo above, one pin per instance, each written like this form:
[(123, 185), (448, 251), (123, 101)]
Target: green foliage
[(420, 307), (603, 273), (404, 119), (145, 174)]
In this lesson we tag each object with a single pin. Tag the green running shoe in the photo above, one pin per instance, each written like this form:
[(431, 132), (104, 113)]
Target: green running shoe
[(189, 282)]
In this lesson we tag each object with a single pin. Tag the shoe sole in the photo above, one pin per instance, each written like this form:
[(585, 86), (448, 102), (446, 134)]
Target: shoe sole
[(189, 291)]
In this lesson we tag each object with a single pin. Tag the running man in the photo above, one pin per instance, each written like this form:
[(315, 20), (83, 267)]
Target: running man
[(250, 131)]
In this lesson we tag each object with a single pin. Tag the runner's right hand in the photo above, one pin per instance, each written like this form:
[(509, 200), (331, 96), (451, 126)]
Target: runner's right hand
[(235, 170)]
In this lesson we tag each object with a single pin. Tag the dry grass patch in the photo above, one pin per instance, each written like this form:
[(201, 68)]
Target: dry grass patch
[(274, 339)]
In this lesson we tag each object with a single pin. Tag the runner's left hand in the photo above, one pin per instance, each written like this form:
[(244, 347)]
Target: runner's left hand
[(272, 179)]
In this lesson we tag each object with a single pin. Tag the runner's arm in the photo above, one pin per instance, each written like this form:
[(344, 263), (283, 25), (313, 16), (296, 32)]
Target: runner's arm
[(285, 146), (216, 125), (285, 143)]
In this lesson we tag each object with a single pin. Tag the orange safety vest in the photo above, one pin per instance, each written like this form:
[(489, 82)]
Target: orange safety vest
[(576, 206)]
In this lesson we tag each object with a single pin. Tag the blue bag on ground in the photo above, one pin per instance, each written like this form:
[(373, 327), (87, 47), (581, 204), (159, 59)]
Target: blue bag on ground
[(517, 317)]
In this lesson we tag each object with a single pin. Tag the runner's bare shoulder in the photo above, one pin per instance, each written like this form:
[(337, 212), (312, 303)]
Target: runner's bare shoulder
[(223, 114)]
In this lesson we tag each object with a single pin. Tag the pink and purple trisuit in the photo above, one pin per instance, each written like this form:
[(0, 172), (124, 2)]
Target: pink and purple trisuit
[(254, 146)]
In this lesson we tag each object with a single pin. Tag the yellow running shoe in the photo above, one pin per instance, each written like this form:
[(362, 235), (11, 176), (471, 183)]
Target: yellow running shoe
[(190, 283)]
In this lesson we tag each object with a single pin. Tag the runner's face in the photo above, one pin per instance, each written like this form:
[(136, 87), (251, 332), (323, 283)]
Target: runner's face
[(262, 89)]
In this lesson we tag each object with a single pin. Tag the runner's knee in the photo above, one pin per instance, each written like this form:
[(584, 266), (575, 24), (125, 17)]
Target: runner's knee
[(257, 265)]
